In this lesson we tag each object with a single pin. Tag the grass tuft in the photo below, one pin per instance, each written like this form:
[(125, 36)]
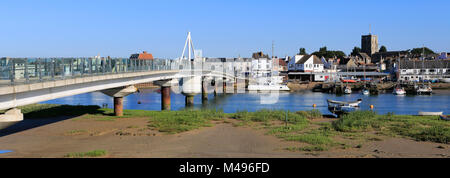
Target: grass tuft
[(94, 153)]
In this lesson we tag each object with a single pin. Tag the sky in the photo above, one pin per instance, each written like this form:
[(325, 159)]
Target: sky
[(220, 28)]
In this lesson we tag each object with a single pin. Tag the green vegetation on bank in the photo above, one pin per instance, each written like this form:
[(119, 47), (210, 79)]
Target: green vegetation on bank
[(306, 127), (94, 153), (421, 128), (181, 121)]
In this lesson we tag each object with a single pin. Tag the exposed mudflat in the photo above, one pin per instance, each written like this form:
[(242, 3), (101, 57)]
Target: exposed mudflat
[(130, 137)]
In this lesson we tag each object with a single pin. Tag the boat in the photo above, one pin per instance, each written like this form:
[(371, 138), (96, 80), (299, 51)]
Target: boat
[(399, 91), (348, 80), (365, 91), (273, 83), (268, 88), (351, 103), (423, 89), (445, 117), (342, 107), (423, 113), (347, 90)]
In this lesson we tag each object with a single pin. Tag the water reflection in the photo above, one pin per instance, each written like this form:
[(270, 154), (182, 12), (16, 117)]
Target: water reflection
[(150, 99)]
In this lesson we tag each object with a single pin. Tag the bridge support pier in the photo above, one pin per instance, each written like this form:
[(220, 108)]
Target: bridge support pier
[(118, 106), (165, 98), (224, 85), (118, 94), (189, 100), (204, 91), (165, 93)]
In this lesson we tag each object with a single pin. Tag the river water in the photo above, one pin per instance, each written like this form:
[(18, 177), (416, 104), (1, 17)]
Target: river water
[(150, 99)]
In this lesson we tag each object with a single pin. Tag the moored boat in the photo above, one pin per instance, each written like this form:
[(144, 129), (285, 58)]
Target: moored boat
[(399, 91), (347, 90), (278, 87), (365, 91), (423, 89), (445, 117), (423, 113), (342, 107)]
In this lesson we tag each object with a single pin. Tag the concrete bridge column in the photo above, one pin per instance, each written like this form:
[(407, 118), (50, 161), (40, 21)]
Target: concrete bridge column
[(165, 93), (165, 98), (191, 86), (224, 85), (215, 87), (204, 90), (118, 106), (118, 94)]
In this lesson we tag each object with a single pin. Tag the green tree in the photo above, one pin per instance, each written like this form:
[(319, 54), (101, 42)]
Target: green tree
[(383, 49), (355, 51), (302, 51), (419, 51), (323, 52)]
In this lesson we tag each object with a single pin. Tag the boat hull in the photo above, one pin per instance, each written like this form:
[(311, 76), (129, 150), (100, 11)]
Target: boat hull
[(268, 88), (421, 113)]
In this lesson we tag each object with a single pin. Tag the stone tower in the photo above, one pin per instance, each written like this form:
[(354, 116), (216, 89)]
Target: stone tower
[(369, 44)]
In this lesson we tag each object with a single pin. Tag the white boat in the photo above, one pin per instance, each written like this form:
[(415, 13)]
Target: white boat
[(347, 90), (423, 89), (342, 107), (399, 91), (268, 87), (351, 103), (422, 113), (273, 83), (365, 91)]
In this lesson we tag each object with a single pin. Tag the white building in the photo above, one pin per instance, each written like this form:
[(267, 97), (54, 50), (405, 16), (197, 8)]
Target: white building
[(428, 70), (261, 67), (305, 63)]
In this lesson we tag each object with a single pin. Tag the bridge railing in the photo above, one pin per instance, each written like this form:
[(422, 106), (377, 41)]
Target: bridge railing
[(15, 71)]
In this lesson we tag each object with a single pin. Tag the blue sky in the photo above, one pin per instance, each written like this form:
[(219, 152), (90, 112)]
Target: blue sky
[(48, 28)]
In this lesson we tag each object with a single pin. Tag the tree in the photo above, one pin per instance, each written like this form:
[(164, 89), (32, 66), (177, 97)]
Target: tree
[(302, 51), (355, 51), (323, 52), (383, 49), (419, 51)]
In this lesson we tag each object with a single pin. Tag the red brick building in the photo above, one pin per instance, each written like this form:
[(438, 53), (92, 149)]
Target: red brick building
[(144, 56)]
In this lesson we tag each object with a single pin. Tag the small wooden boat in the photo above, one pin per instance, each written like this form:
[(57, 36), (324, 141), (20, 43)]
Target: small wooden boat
[(342, 107), (422, 113), (351, 103), (445, 117)]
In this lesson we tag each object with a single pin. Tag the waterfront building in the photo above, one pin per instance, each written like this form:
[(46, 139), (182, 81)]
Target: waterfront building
[(280, 65), (261, 67), (143, 56), (422, 70), (306, 63), (306, 68)]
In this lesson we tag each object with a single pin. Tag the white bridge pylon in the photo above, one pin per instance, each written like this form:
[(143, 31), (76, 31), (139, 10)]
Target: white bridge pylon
[(190, 48)]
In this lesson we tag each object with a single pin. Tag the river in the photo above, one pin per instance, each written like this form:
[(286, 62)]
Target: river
[(150, 99)]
